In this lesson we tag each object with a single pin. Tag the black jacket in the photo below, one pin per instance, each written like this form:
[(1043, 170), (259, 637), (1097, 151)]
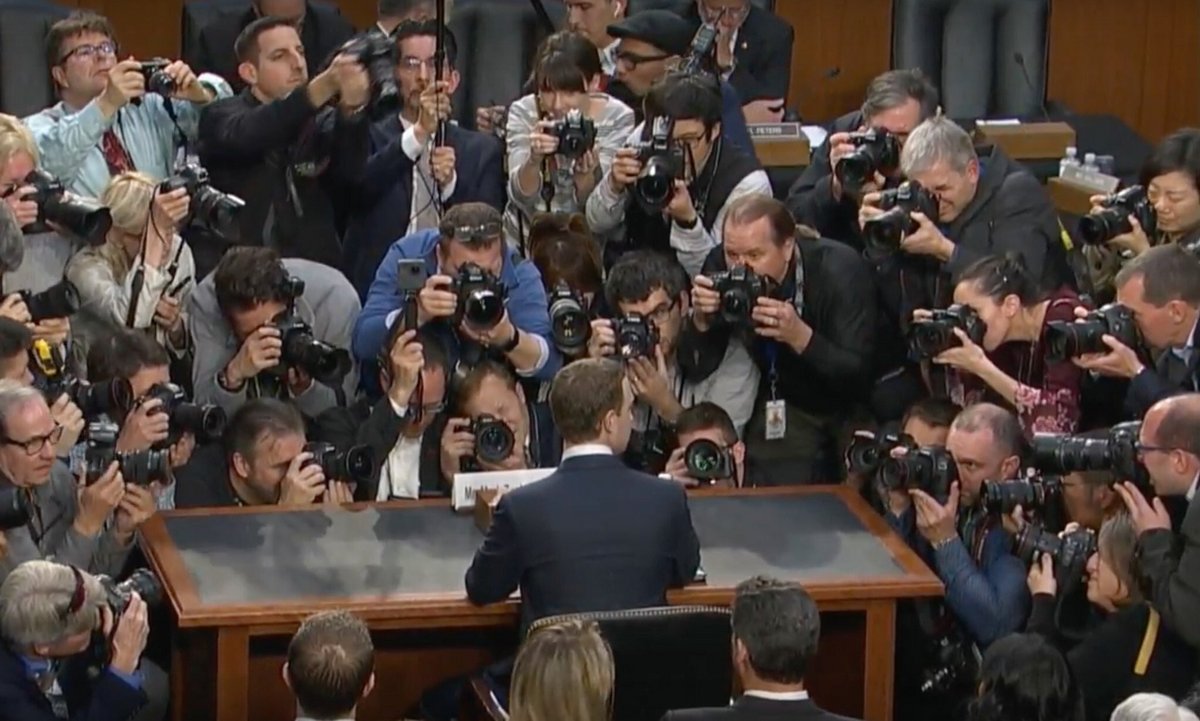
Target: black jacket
[(277, 157), (203, 482), (811, 197), (105, 698), (834, 370), (592, 536), (1167, 378), (1169, 565), (753, 708), (763, 54), (323, 31)]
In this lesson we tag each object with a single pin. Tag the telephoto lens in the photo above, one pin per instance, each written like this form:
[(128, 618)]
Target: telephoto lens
[(318, 359), (931, 336), (142, 581), (569, 323), (205, 422), (636, 336), (356, 464), (1066, 339), (480, 298), (57, 301), (494, 440), (707, 461), (931, 470), (1070, 551), (1031, 494)]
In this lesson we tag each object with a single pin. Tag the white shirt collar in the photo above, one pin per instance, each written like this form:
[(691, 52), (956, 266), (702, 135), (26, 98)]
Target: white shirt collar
[(586, 449), (608, 58), (1192, 491), (779, 695)]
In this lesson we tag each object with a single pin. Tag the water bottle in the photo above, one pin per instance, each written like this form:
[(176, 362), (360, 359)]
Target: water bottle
[(1089, 163), (1071, 159)]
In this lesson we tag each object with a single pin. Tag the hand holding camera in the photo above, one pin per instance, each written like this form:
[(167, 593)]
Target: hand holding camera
[(677, 469), (261, 350), (839, 147), (626, 169), (543, 142), (458, 442), (23, 205), (706, 302), (13, 307), (406, 359), (125, 82), (303, 483), (778, 320), (67, 415), (136, 506), (1041, 575), (936, 521), (98, 499), (144, 427), (603, 340), (353, 82), (1123, 220), (648, 377), (680, 207), (1146, 515), (436, 299), (490, 118), (168, 314), (1118, 360), (927, 240), (54, 331), (435, 107), (130, 635), (173, 205)]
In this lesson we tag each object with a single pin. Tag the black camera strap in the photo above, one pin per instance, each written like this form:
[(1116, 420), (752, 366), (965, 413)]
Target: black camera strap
[(547, 190)]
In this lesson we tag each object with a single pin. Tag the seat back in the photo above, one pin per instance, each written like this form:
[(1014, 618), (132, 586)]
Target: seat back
[(666, 658), (681, 5), (969, 49), (199, 14), (25, 83)]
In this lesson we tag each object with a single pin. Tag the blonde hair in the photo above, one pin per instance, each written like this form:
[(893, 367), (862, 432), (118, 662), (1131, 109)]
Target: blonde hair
[(1117, 545), (563, 671), (15, 138), (128, 197)]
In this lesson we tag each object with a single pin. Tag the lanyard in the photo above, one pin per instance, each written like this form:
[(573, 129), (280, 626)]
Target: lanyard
[(772, 353)]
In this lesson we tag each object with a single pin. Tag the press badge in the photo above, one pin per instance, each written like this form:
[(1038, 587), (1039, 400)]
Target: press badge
[(776, 420)]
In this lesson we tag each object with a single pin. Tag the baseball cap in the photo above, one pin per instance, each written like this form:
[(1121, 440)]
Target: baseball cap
[(661, 28)]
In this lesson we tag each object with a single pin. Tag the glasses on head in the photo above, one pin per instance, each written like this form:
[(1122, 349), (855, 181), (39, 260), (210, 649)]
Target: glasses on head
[(78, 596), (34, 445), (472, 233), (87, 52)]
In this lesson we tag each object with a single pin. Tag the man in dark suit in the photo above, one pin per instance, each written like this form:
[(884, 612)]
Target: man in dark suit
[(754, 53), (776, 627), (594, 535), (409, 181), (322, 31)]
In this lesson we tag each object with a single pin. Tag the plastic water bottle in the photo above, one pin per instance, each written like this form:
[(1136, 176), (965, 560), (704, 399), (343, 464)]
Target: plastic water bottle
[(1089, 163), (1071, 159)]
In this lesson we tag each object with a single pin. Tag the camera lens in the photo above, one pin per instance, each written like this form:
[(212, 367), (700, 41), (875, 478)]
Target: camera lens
[(854, 169), (145, 584), (570, 326), (484, 309), (656, 182), (493, 439), (1099, 228), (704, 460), (359, 464)]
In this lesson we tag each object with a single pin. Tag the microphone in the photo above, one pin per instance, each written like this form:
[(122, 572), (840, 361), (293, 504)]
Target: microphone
[(1019, 58)]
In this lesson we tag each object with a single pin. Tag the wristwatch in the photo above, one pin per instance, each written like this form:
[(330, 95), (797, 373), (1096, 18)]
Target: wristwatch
[(226, 386), (512, 344)]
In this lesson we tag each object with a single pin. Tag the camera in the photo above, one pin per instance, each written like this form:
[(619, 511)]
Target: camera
[(83, 217), (954, 663), (356, 464), (662, 165), (210, 209), (1132, 202), (302, 350), (929, 337), (14, 508), (142, 581), (569, 323), (740, 289), (707, 461), (875, 151), (1065, 339), (867, 451), (931, 470), (154, 75), (1035, 493), (50, 376), (206, 422), (494, 440), (377, 54), (1060, 453), (1070, 552), (576, 134), (58, 301), (480, 297), (636, 336), (140, 468), (884, 232)]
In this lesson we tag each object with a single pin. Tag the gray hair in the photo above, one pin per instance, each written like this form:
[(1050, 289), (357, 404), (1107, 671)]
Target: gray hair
[(895, 88), (1151, 707), (13, 396), (35, 601), (1000, 422), (937, 139), (1117, 545)]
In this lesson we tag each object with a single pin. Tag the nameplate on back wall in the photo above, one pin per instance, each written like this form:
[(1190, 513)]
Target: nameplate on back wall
[(780, 131), (466, 485)]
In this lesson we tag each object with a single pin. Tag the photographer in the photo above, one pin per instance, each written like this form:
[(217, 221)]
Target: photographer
[(896, 103), (15, 343), (925, 423), (649, 293), (706, 426), (262, 461), (1168, 195), (1161, 291), (568, 259), (806, 325), (92, 525), (1010, 354), (544, 175), (1024, 678), (468, 269), (273, 144), (966, 547), (142, 254), (1128, 652), (494, 427), (110, 120), (680, 207), (234, 318), (50, 616)]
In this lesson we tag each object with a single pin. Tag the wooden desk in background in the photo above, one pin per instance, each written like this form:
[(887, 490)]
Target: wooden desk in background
[(241, 580)]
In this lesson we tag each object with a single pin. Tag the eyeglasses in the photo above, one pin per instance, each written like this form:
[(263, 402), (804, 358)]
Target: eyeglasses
[(412, 65), (714, 13), (78, 596), (432, 409), (34, 445), (659, 315), (1145, 448), (632, 60), (87, 52), (472, 233)]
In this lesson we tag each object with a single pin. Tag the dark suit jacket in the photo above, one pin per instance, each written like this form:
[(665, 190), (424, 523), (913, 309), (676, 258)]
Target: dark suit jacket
[(380, 198), (324, 30), (764, 55), (107, 698), (592, 536), (1169, 565), (753, 708), (1162, 381)]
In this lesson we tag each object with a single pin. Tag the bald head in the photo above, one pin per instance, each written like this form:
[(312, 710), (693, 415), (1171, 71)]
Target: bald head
[(1175, 423), (1000, 422)]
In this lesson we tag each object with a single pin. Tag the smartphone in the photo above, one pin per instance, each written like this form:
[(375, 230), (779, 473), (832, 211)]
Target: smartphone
[(411, 276)]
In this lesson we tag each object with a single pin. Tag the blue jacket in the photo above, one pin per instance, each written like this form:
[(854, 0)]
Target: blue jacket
[(108, 697), (733, 120), (526, 302)]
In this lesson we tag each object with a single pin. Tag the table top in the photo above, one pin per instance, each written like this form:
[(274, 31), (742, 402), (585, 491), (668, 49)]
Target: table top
[(253, 566)]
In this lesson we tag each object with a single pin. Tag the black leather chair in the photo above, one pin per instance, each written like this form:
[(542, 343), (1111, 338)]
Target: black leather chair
[(199, 14), (636, 5), (974, 50), (25, 84)]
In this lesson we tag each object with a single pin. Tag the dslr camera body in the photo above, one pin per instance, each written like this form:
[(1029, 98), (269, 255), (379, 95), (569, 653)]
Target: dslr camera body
[(883, 233), (58, 301), (662, 164), (154, 75), (83, 217), (301, 349), (494, 440), (930, 469), (740, 289), (1070, 552), (142, 581), (576, 134), (481, 297), (1065, 339), (140, 468), (206, 422), (708, 462), (1061, 453), (867, 451), (1036, 493), (637, 337), (353, 465), (569, 323), (1113, 220), (211, 209), (929, 337), (377, 54), (875, 151), (51, 377)]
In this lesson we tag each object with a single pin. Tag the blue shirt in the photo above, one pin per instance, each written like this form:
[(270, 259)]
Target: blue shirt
[(35, 667), (68, 139), (526, 302)]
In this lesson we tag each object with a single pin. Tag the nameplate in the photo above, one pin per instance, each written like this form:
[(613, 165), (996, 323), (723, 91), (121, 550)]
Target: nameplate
[(775, 131), (466, 485), (1090, 179), (1027, 141)]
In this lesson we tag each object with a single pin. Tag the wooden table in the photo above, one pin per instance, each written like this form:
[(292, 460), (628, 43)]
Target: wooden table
[(240, 581)]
